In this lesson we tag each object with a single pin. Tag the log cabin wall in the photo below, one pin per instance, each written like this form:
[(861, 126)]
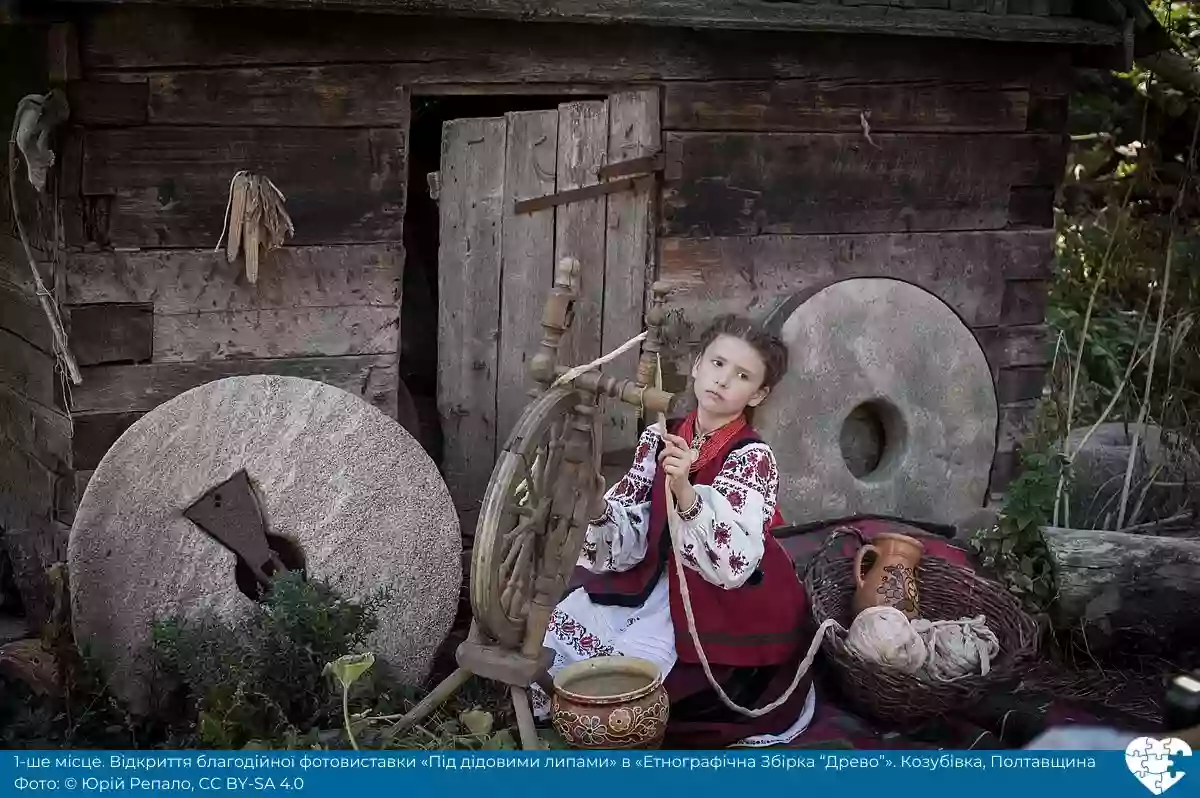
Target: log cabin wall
[(933, 164), (35, 434), (771, 184)]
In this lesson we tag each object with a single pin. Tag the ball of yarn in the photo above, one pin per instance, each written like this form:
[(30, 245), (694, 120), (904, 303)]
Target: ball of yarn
[(883, 635), (938, 650), (959, 648)]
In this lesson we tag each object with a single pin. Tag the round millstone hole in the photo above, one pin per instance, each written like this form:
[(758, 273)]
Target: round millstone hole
[(872, 438)]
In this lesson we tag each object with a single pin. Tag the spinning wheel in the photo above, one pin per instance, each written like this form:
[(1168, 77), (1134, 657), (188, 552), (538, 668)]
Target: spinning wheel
[(511, 549), (543, 491)]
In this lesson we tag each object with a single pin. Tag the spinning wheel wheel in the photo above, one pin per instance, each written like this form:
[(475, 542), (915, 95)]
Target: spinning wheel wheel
[(516, 523), (542, 493)]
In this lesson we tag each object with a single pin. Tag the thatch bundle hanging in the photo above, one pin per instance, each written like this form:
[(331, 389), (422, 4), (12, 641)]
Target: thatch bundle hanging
[(256, 219)]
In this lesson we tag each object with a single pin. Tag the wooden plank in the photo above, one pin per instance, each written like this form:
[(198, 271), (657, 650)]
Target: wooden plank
[(579, 227), (723, 15), (116, 333), (22, 315), (487, 52), (471, 207), (95, 433), (752, 275), (634, 132), (62, 52), (14, 267), (319, 96), (171, 184), (41, 432), (1024, 301), (1020, 383), (108, 102), (299, 332), (27, 370), (183, 281), (1031, 345), (527, 258), (833, 106), (756, 183), (113, 389), (1015, 425)]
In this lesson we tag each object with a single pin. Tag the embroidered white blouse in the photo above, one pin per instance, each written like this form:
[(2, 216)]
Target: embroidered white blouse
[(723, 536)]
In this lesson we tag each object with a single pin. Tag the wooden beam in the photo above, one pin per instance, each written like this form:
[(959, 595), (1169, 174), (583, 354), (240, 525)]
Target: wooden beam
[(724, 14)]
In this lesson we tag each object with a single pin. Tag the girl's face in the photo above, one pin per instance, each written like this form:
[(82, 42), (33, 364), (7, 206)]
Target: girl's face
[(728, 377)]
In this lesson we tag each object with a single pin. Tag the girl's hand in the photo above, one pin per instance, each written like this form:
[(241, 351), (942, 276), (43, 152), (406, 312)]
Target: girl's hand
[(676, 461)]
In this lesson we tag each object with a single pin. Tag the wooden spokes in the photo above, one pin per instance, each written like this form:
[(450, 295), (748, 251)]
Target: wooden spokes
[(516, 525)]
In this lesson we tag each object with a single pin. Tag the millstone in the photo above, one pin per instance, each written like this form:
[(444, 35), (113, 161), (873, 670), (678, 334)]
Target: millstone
[(348, 486), (888, 406)]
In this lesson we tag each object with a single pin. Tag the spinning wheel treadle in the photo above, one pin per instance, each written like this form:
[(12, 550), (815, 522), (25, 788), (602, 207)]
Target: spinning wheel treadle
[(536, 510)]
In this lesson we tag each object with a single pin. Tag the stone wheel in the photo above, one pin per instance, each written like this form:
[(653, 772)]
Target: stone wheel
[(517, 521)]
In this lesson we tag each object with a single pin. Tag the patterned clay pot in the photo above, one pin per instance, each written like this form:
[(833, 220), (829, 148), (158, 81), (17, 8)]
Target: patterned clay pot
[(892, 580), (610, 702)]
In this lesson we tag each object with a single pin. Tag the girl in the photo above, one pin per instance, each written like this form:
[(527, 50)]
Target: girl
[(748, 603)]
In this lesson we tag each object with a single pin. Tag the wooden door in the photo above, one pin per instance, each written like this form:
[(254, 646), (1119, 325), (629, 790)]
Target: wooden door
[(496, 265)]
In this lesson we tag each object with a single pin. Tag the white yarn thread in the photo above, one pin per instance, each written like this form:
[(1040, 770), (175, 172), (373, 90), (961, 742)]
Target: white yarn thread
[(942, 651)]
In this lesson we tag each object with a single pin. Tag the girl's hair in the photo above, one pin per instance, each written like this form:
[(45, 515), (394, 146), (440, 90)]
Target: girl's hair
[(770, 347)]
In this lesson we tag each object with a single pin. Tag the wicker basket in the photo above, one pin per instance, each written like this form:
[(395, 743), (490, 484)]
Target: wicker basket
[(948, 592)]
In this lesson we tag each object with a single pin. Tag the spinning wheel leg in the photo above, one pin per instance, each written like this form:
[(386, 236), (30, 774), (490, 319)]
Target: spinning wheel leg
[(435, 699), (529, 735)]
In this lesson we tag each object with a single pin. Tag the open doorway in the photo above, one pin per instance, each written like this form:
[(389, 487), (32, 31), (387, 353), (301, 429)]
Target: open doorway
[(420, 304)]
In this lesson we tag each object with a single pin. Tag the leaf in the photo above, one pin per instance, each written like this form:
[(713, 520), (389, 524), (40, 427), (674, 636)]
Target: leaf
[(349, 667), (477, 721), (500, 741)]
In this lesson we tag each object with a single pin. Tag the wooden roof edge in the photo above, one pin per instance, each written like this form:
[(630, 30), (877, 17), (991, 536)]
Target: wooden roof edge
[(749, 15)]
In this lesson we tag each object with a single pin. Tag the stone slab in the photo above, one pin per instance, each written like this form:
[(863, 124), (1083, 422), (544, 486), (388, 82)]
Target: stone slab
[(888, 372), (335, 475)]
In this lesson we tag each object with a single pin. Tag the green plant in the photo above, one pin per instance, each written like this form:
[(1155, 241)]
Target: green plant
[(264, 677), (1014, 547)]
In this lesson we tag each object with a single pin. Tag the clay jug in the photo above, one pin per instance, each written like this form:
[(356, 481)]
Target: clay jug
[(892, 580)]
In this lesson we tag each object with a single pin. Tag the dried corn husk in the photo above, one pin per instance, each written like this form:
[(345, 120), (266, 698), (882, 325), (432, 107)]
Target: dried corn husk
[(256, 219)]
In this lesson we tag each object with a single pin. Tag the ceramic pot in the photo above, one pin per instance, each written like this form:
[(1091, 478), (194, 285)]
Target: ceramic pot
[(610, 702), (892, 579)]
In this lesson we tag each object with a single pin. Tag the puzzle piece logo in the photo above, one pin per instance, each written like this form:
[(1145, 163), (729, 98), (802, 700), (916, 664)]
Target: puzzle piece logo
[(1153, 762)]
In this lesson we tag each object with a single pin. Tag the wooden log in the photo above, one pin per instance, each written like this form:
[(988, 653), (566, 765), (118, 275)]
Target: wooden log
[(470, 51), (527, 257), (472, 213), (1020, 383), (39, 431), (319, 96), (1129, 594), (27, 370), (23, 316), (1024, 302), (300, 332), (111, 333), (171, 184), (914, 21), (115, 389), (1030, 345), (95, 433), (756, 183), (751, 275), (838, 106), (109, 102), (185, 281)]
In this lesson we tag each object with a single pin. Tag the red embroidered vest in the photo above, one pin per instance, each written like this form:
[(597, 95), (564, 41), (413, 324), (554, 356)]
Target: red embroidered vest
[(758, 624)]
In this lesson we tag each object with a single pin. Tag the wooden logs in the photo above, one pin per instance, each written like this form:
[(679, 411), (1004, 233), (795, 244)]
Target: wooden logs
[(1129, 594)]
